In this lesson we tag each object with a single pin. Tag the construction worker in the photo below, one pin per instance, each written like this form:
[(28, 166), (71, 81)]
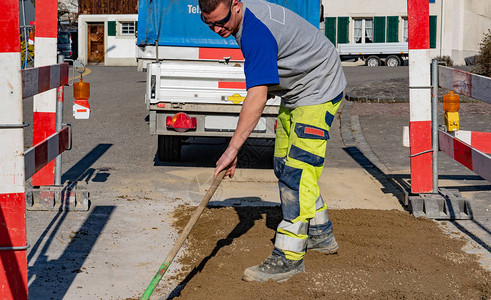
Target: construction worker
[(288, 57)]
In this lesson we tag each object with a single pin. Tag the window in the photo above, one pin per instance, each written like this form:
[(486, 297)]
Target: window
[(405, 34), (393, 29), (330, 29), (363, 31), (343, 30), (127, 28)]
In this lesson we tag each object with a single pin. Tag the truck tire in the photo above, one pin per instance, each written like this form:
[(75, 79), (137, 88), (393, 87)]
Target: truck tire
[(393, 61), (372, 61), (169, 148)]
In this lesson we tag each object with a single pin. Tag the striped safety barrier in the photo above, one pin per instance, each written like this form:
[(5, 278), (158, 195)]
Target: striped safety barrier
[(476, 139), (40, 155), (470, 148), (42, 79), (44, 105), (470, 157), (420, 96), (13, 246), (465, 83)]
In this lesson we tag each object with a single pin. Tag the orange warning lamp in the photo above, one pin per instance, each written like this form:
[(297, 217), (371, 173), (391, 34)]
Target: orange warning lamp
[(451, 107), (81, 93)]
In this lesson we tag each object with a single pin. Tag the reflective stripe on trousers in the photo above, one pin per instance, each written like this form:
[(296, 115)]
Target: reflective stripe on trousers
[(300, 147)]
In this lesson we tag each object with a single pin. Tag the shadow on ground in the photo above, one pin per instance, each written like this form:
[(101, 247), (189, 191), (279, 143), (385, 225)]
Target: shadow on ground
[(82, 171), (51, 278), (204, 152)]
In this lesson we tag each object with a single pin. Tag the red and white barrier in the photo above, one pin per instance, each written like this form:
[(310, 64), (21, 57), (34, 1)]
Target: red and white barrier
[(465, 83), (42, 79), (471, 158), (40, 155), (476, 139), (469, 148), (13, 259), (44, 117), (420, 96)]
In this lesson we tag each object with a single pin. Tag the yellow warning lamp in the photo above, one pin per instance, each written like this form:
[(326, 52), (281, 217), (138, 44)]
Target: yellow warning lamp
[(451, 107), (81, 93)]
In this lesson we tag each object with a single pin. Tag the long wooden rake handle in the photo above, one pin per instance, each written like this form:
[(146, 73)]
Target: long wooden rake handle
[(189, 226)]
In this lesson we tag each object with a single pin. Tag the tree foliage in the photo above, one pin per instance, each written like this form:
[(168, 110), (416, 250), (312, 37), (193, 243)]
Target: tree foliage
[(483, 60)]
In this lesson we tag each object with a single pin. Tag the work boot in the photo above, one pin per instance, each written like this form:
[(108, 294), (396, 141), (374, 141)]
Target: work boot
[(325, 243), (275, 267)]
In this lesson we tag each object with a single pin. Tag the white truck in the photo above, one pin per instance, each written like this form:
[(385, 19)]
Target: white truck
[(195, 79), (374, 54)]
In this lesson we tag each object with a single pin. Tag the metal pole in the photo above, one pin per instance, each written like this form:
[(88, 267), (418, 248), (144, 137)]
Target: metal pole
[(434, 122), (59, 121), (26, 43), (156, 50)]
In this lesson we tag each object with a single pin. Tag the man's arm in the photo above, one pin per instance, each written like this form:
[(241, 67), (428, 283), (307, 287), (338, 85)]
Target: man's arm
[(251, 111)]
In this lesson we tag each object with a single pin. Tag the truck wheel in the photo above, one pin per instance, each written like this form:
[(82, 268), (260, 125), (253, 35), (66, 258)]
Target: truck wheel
[(373, 61), (393, 61), (169, 148)]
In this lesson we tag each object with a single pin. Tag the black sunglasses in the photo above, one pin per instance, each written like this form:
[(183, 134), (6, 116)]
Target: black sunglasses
[(221, 22)]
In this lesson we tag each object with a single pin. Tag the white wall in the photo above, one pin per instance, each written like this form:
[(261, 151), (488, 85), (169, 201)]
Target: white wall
[(119, 50), (464, 22)]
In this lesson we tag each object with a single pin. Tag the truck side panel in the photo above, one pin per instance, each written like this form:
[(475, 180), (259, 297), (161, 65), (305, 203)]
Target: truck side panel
[(178, 22)]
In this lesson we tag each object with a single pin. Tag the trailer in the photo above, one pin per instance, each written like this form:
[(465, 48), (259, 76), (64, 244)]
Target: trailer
[(195, 78), (375, 54)]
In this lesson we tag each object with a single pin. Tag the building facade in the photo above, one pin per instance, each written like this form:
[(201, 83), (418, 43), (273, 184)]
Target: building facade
[(456, 26), (107, 32)]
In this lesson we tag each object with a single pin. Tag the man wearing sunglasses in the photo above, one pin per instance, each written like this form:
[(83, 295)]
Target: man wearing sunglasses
[(288, 57)]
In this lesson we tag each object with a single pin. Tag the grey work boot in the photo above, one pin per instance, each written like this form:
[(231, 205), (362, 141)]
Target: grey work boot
[(276, 268), (325, 243)]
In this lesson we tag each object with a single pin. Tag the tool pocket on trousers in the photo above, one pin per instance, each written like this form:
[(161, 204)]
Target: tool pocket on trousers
[(305, 131), (305, 156)]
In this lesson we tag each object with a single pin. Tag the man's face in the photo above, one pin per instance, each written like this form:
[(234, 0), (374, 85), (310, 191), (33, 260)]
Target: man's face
[(223, 20)]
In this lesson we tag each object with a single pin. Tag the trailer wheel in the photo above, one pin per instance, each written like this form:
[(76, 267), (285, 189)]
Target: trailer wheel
[(372, 61), (393, 61), (169, 148)]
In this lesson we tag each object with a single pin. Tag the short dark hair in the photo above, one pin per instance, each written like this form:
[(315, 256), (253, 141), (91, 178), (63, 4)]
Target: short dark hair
[(207, 6)]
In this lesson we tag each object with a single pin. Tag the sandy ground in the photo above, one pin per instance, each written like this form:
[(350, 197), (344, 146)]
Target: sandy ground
[(383, 254)]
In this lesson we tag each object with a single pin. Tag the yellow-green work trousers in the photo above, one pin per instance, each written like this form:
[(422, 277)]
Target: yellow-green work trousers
[(300, 147)]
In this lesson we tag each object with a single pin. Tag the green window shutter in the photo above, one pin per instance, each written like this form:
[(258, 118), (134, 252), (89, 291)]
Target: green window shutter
[(432, 31), (379, 29), (343, 33), (330, 24), (111, 28), (392, 29)]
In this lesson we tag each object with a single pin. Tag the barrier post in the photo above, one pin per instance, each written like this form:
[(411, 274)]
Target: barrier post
[(59, 123), (434, 123), (13, 259), (420, 96), (44, 116)]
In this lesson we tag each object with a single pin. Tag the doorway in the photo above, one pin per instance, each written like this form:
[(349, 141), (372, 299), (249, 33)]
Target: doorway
[(95, 42)]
